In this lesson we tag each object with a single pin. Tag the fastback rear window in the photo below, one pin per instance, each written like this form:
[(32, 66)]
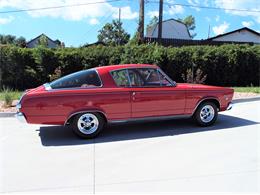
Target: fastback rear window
[(82, 79)]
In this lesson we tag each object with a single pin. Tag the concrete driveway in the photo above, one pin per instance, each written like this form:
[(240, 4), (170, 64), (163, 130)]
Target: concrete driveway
[(165, 156)]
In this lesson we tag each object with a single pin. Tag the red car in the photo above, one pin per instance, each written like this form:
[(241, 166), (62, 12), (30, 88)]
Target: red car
[(89, 99)]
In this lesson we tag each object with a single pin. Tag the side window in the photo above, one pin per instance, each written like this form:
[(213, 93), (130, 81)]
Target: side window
[(164, 81), (144, 77), (151, 77), (85, 78), (135, 78), (121, 78)]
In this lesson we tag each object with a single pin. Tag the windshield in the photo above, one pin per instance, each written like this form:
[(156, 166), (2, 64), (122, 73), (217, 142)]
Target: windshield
[(83, 79)]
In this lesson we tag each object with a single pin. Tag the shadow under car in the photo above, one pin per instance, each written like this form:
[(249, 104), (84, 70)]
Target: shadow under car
[(60, 135)]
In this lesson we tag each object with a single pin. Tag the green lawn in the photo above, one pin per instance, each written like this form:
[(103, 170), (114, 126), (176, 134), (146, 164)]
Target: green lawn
[(15, 95), (247, 89)]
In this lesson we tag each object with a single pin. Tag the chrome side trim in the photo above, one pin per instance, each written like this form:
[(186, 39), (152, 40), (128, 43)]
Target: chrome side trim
[(230, 106), (83, 111), (153, 118), (47, 86), (207, 98), (20, 117), (18, 105)]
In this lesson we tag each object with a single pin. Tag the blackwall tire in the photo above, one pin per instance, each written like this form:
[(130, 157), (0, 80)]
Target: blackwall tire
[(206, 114), (88, 125)]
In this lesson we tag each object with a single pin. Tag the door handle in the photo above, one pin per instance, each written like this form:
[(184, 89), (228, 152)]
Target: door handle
[(133, 96)]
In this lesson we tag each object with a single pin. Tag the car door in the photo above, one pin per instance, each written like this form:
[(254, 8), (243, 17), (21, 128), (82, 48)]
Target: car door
[(152, 94)]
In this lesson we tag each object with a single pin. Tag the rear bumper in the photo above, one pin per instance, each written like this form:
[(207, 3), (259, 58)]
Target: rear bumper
[(230, 105), (20, 117)]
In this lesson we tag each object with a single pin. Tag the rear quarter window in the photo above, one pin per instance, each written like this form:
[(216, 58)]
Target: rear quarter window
[(81, 79)]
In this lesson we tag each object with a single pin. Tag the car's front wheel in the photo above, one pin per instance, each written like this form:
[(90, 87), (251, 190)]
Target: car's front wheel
[(206, 114), (88, 125)]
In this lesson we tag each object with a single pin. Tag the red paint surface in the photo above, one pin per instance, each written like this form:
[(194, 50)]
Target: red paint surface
[(55, 106)]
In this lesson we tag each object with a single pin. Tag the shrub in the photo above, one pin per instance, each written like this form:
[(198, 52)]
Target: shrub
[(225, 65), (7, 97)]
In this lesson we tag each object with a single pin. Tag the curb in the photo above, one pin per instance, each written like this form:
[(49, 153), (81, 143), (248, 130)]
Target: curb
[(246, 100), (7, 114), (12, 114)]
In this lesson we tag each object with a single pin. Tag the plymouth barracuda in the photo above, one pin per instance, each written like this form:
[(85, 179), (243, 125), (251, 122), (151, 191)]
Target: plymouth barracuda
[(89, 99)]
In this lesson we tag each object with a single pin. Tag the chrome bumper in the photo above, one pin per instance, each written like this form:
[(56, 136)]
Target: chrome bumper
[(20, 117), (230, 105)]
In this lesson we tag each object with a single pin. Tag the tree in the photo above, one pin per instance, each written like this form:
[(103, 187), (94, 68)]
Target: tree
[(43, 41), (113, 34), (20, 42), (152, 23), (189, 21)]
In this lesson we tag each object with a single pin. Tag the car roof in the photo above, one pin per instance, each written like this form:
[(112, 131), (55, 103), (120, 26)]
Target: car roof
[(122, 66)]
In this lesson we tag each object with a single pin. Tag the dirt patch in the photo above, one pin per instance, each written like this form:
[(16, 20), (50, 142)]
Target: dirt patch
[(4, 108), (240, 95)]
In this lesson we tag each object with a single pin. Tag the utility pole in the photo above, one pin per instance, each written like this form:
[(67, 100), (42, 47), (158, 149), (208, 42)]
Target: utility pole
[(119, 15), (160, 21), (141, 22), (119, 20), (209, 31)]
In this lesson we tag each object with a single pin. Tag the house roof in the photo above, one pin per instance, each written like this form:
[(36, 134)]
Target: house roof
[(154, 26), (39, 37), (96, 43), (238, 30)]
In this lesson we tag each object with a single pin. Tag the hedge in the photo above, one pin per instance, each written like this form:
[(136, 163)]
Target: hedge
[(226, 65)]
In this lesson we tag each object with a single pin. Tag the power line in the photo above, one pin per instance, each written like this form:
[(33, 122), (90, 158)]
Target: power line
[(206, 7), (57, 7), (102, 22)]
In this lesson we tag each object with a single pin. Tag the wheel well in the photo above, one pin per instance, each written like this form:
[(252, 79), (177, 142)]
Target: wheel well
[(71, 117), (214, 101)]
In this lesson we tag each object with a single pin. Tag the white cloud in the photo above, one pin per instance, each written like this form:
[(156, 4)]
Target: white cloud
[(6, 20), (247, 23), (194, 3), (151, 14), (208, 19), (217, 18), (175, 9), (93, 21), (241, 4), (126, 13), (221, 28), (74, 13)]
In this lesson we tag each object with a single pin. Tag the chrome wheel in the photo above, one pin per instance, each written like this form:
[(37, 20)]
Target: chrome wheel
[(88, 123), (207, 113)]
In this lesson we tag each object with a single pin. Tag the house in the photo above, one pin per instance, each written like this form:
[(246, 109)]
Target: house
[(95, 44), (171, 29), (245, 34), (45, 39)]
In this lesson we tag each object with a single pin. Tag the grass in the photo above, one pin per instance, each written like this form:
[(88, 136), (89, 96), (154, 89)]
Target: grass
[(247, 89), (8, 96)]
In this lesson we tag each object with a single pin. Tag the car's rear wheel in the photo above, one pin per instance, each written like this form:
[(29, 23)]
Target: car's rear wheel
[(206, 114), (88, 125)]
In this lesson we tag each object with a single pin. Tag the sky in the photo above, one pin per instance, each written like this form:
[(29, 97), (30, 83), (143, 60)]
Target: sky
[(78, 25)]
